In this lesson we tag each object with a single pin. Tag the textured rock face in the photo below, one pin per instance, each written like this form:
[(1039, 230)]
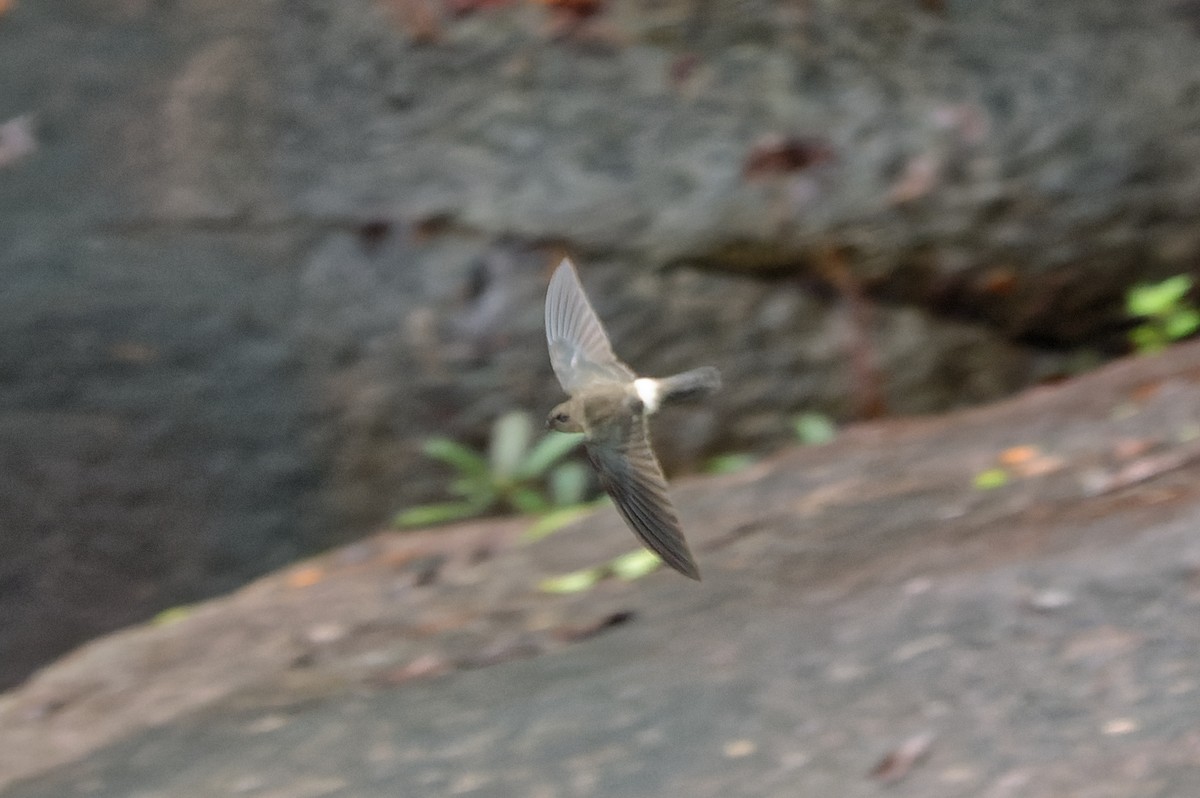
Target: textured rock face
[(868, 614), (254, 260)]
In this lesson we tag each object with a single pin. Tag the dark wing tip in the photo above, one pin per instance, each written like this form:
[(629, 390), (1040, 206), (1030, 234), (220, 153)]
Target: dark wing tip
[(683, 562), (640, 498), (688, 569)]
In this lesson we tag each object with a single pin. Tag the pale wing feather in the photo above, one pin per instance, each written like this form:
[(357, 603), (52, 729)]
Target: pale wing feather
[(580, 351), (630, 474)]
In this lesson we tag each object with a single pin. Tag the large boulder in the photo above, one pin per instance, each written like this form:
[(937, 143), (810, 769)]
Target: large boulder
[(263, 249)]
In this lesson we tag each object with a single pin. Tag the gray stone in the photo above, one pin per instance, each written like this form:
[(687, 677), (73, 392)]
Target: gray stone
[(263, 249)]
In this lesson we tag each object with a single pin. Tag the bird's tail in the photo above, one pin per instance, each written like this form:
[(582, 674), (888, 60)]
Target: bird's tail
[(692, 384)]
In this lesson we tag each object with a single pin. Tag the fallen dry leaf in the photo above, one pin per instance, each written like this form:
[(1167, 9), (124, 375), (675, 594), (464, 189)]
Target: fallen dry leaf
[(1039, 466), (775, 155), (919, 177), (1144, 469), (305, 576), (683, 68), (570, 634), (738, 749), (424, 666), (419, 18), (969, 121), (577, 8), (1018, 455), (1128, 448), (460, 8), (900, 761), (1029, 461), (1145, 392), (998, 281)]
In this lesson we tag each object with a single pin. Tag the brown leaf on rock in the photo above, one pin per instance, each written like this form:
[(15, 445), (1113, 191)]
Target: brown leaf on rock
[(1146, 391), (580, 9), (1145, 469), (461, 8), (1129, 448), (776, 155), (571, 634), (998, 281), (429, 227), (305, 576), (372, 234), (683, 68), (424, 666), (419, 19), (580, 21), (901, 760), (918, 179), (1018, 455)]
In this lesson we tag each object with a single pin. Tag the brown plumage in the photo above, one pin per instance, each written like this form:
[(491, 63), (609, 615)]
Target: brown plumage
[(609, 404)]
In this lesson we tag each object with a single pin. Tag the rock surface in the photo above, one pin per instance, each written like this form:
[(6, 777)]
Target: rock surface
[(868, 614), (255, 252)]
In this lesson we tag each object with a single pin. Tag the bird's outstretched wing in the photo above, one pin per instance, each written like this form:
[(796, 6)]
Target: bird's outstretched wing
[(630, 474), (579, 348)]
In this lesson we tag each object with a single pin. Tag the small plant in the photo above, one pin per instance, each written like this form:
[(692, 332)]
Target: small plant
[(729, 463), (628, 567), (991, 479), (814, 429), (516, 474), (558, 518), (1166, 312)]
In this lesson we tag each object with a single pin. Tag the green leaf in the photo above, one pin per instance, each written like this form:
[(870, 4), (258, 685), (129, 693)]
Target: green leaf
[(991, 479), (527, 500), (1157, 299), (568, 484), (431, 514), (172, 615), (729, 463), (466, 461), (1181, 323), (1141, 302), (635, 564), (476, 491), (815, 428), (555, 520), (1147, 338), (510, 440), (548, 451), (574, 582)]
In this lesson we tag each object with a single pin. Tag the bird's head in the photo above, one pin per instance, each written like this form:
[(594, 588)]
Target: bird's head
[(563, 418)]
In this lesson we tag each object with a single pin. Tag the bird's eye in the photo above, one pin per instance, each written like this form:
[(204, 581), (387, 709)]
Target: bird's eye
[(562, 418)]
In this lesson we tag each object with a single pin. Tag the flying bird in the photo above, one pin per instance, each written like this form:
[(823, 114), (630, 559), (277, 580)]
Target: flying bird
[(609, 404)]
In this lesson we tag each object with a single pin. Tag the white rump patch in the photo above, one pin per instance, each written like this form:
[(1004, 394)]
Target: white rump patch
[(649, 392)]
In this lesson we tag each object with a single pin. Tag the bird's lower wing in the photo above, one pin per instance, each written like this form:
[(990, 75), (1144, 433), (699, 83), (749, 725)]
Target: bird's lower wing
[(632, 477)]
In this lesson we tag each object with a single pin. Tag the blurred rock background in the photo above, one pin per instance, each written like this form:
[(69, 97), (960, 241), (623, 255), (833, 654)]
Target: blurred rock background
[(254, 253)]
